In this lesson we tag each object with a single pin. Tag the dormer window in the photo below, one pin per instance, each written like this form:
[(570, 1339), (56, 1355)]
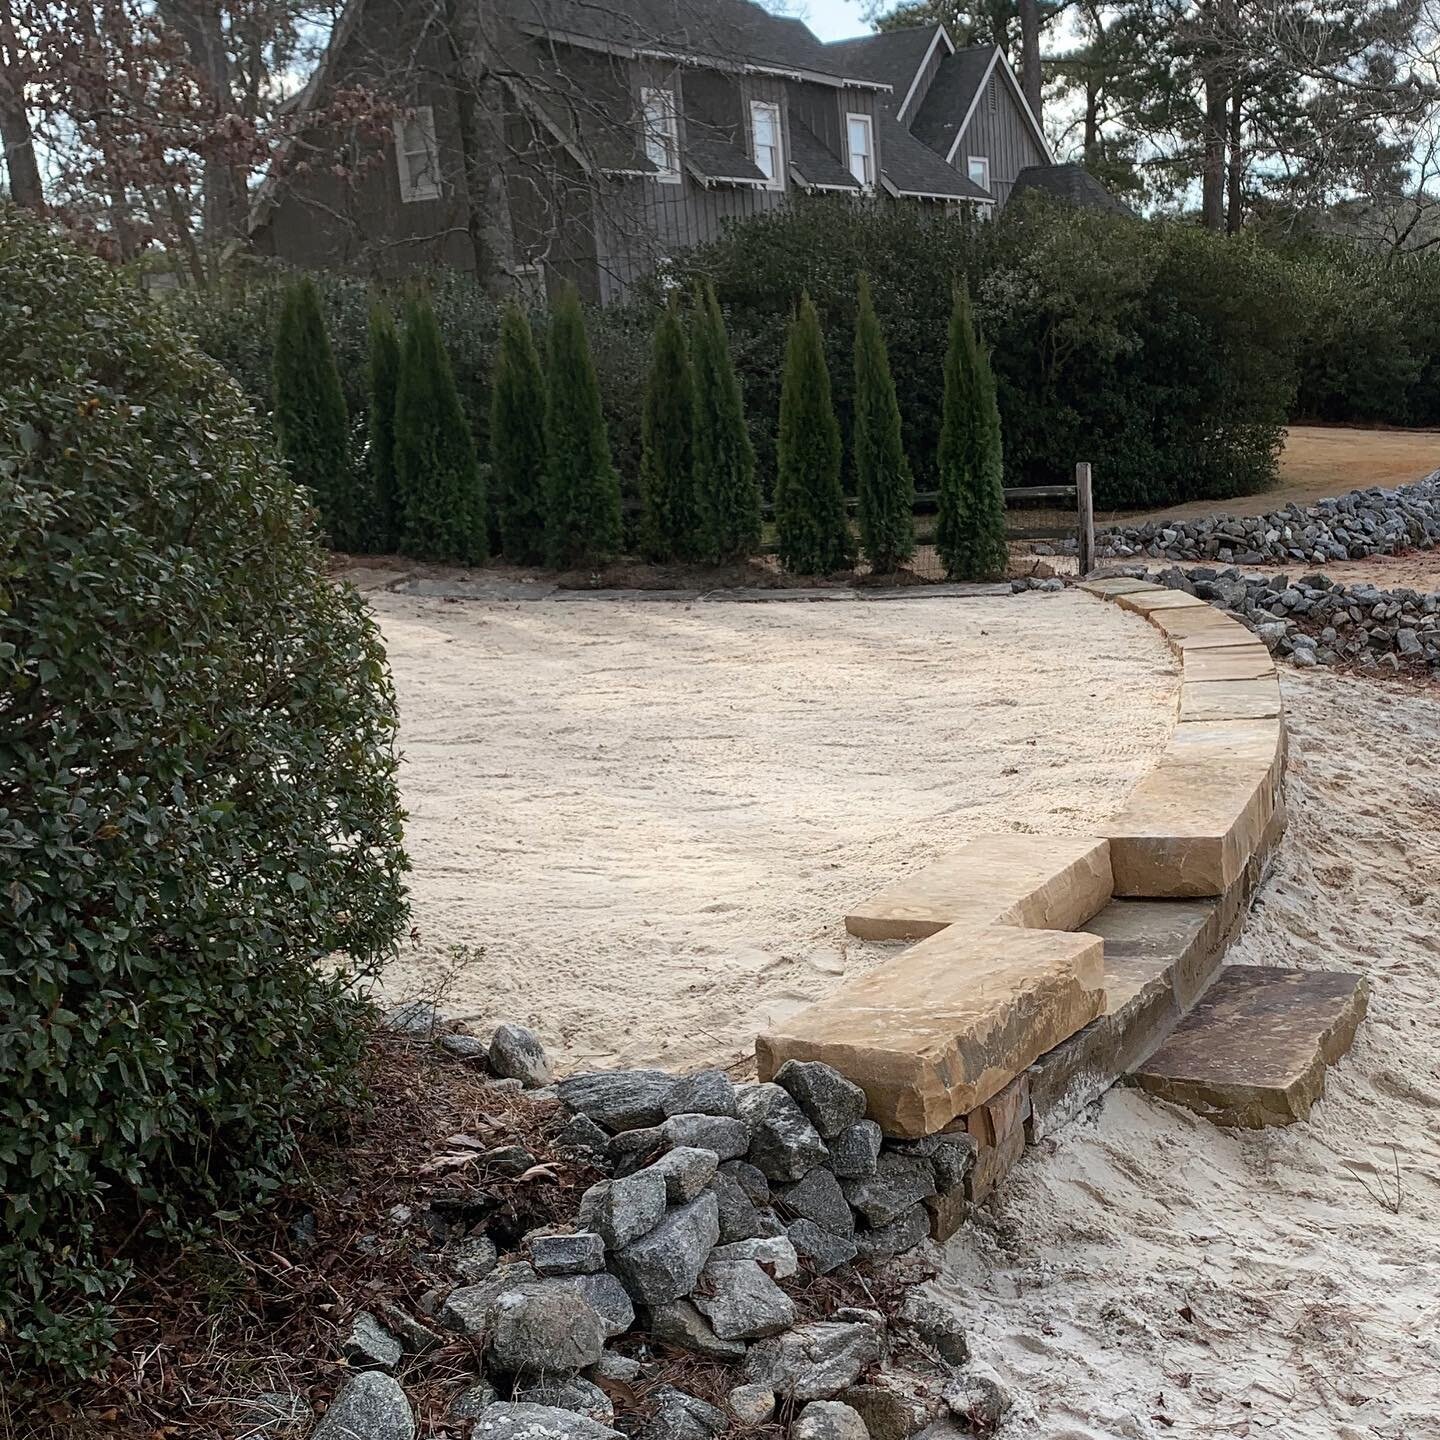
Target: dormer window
[(662, 133), (417, 156), (860, 136), (766, 143)]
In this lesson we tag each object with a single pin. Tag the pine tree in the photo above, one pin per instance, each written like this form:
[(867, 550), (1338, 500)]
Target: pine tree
[(670, 525), (310, 417), (384, 377), (725, 482), (517, 441), (884, 484), (583, 493), (970, 532), (810, 524), (442, 498)]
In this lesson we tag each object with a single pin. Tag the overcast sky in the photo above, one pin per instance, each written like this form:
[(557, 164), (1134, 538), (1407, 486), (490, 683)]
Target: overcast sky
[(832, 19)]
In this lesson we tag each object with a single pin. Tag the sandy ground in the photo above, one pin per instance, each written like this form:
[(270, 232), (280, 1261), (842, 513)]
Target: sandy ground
[(1320, 461), (651, 817), (1148, 1275)]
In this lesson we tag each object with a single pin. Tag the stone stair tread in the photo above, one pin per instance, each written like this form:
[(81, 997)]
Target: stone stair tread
[(1041, 882), (949, 1022), (1254, 1050)]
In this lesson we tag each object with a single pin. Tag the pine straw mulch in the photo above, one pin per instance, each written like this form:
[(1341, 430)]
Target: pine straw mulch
[(261, 1310)]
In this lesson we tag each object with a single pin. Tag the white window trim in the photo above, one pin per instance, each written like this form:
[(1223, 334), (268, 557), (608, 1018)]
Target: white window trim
[(984, 162), (426, 184), (671, 132), (778, 183), (874, 163)]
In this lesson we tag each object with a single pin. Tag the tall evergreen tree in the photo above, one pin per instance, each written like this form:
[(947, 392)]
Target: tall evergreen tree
[(885, 488), (970, 532), (383, 378), (725, 482), (670, 525), (442, 496), (310, 416), (810, 523), (583, 494), (517, 440)]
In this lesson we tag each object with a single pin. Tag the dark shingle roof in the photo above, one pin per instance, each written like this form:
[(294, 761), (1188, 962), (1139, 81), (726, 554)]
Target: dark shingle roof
[(951, 93), (730, 31), (915, 169), (890, 58), (1072, 183), (714, 159), (813, 162)]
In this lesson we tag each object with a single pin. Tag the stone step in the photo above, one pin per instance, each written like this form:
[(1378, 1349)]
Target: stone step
[(1040, 882), (1254, 1051), (947, 1024)]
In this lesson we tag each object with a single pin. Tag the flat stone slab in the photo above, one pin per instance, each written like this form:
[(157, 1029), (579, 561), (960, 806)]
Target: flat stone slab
[(1118, 585), (948, 590), (1231, 699), (754, 595), (662, 597), (948, 1023), (1147, 602), (1254, 1051), (1192, 628), (1244, 660), (1041, 882)]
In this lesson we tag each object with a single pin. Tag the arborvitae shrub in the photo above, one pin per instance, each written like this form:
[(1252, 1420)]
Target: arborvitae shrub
[(310, 419), (583, 501), (517, 441), (442, 500), (885, 488), (384, 377), (200, 808), (725, 483), (670, 522), (810, 526), (970, 531)]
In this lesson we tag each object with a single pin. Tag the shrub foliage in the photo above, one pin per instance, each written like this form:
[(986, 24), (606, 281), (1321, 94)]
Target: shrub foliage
[(725, 483), (810, 524), (442, 500), (517, 441), (970, 529), (670, 526), (884, 486), (583, 493), (310, 419), (200, 804), (384, 376)]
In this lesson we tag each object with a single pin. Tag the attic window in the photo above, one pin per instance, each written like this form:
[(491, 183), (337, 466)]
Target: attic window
[(417, 156), (662, 133), (977, 167), (765, 141), (860, 137)]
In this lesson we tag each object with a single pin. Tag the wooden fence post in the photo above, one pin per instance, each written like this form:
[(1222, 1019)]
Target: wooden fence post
[(1085, 504)]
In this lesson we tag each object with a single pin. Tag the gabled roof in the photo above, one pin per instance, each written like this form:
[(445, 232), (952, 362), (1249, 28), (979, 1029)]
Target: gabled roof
[(734, 34), (713, 160), (813, 164), (910, 167), (1072, 183), (892, 57), (948, 102)]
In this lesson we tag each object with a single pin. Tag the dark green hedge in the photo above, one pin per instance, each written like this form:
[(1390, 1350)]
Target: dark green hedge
[(199, 808)]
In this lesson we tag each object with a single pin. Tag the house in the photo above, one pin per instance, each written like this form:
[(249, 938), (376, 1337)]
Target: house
[(539, 141)]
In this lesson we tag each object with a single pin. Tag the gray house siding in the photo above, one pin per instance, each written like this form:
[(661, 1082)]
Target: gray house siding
[(999, 130), (927, 74)]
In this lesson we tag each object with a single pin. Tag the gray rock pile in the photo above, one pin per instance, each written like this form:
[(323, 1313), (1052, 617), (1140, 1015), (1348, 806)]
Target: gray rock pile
[(1365, 522), (1312, 620), (715, 1195)]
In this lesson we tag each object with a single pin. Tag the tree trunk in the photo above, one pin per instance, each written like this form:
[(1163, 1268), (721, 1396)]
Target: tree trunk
[(1212, 202), (1092, 118), (1030, 53), (21, 166), (1235, 166), (480, 122)]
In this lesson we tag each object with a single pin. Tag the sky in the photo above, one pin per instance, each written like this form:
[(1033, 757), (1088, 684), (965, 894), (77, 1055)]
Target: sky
[(831, 19)]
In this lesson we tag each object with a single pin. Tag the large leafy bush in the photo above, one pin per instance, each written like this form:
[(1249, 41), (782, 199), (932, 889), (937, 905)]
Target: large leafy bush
[(198, 811)]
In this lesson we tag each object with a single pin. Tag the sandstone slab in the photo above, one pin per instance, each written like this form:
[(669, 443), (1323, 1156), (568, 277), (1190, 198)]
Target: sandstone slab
[(948, 1023), (1148, 602), (1191, 628), (1254, 1051), (1231, 699), (1245, 660), (1119, 585), (1041, 882), (992, 1122), (992, 1164)]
